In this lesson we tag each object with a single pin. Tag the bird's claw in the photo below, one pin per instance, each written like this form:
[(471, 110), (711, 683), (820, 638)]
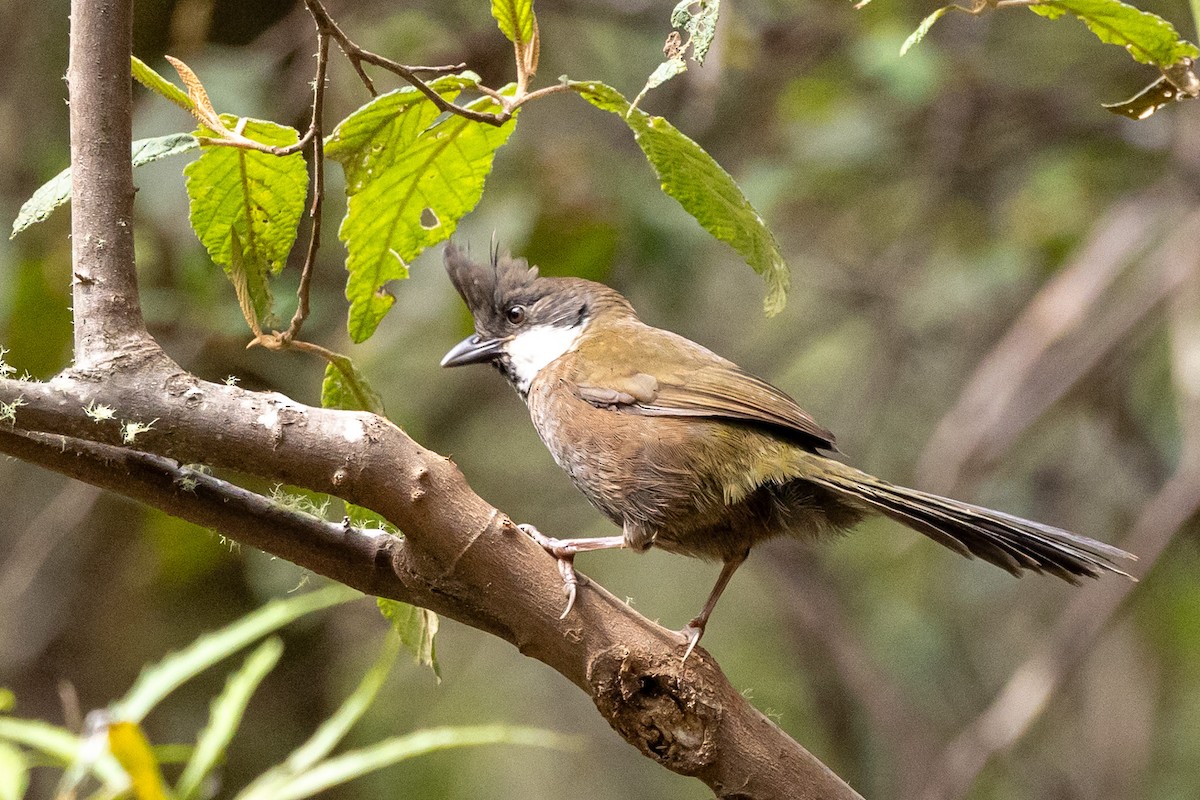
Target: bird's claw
[(566, 563), (691, 634)]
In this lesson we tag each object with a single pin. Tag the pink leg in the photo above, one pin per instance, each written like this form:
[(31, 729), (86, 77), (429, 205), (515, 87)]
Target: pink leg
[(695, 628), (564, 551)]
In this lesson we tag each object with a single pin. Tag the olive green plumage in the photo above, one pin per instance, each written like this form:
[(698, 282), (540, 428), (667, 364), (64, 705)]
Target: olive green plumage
[(688, 452)]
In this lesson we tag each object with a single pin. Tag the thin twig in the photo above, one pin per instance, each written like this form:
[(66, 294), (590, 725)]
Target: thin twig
[(314, 239), (357, 55)]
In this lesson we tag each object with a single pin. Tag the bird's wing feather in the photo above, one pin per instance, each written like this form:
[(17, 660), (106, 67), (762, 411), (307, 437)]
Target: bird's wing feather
[(700, 384)]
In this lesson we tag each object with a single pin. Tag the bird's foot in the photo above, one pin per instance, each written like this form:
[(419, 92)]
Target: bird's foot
[(691, 635), (564, 554)]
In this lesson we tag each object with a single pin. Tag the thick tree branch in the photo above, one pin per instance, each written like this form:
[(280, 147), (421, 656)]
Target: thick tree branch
[(460, 556), (108, 318)]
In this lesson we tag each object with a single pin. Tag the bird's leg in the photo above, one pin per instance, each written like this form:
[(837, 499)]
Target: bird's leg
[(564, 551), (695, 628)]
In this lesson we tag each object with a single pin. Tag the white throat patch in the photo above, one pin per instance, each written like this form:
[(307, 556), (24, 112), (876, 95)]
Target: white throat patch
[(532, 349)]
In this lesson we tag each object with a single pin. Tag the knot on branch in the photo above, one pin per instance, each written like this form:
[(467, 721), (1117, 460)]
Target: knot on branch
[(650, 701)]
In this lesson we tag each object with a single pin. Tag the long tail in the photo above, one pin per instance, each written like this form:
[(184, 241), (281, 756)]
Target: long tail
[(1007, 541)]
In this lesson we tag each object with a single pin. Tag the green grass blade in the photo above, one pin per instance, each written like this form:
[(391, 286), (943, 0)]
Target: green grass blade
[(226, 715), (357, 763), (331, 732), (60, 745), (14, 773), (159, 680)]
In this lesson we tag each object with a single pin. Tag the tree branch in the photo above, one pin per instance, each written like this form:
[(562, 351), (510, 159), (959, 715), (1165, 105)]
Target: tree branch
[(460, 556), (107, 315)]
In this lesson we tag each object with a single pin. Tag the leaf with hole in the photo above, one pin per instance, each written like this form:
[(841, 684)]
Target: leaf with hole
[(700, 24), (409, 179)]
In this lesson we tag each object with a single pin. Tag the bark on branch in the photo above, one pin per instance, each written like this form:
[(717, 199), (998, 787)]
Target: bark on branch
[(460, 556)]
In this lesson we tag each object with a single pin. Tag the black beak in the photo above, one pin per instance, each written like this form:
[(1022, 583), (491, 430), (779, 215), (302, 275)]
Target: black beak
[(472, 350)]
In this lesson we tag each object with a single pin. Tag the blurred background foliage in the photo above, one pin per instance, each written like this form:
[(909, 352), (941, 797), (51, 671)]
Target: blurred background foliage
[(993, 296)]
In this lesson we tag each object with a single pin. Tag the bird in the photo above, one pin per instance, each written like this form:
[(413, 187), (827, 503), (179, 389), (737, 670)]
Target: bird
[(688, 452)]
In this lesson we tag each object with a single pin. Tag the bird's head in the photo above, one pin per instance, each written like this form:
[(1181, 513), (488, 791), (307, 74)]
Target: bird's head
[(523, 321)]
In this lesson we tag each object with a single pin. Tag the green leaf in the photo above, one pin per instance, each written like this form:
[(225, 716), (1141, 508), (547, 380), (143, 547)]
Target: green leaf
[(355, 764), (702, 187), (916, 36), (701, 24), (14, 773), (159, 680), (416, 628), (663, 73), (258, 195), (57, 190), (60, 745), (225, 715), (409, 182), (345, 387), (147, 77), (331, 732), (515, 18), (1147, 37)]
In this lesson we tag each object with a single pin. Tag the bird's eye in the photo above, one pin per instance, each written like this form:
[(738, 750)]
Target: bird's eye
[(515, 314)]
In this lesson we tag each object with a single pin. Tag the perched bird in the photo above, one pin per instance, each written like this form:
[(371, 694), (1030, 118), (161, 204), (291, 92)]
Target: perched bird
[(690, 453)]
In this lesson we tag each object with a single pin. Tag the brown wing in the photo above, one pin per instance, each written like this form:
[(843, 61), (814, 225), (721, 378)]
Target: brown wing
[(699, 383)]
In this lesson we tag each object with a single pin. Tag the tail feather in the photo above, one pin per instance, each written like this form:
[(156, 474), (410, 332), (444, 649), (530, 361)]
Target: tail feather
[(1011, 543)]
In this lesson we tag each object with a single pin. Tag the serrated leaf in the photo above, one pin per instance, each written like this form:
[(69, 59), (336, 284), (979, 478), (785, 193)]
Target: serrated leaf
[(409, 183), (132, 750), (57, 191), (147, 77), (1147, 37), (370, 136), (158, 680), (916, 36), (417, 627), (515, 18), (225, 715), (258, 195), (345, 387), (705, 190)]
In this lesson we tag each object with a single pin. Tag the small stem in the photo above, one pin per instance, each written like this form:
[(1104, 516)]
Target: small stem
[(521, 100), (318, 143), (357, 55)]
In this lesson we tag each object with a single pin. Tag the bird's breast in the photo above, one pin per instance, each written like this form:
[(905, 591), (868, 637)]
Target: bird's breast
[(679, 482)]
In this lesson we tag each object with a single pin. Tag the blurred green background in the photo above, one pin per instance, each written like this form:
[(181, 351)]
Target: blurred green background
[(924, 204)]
